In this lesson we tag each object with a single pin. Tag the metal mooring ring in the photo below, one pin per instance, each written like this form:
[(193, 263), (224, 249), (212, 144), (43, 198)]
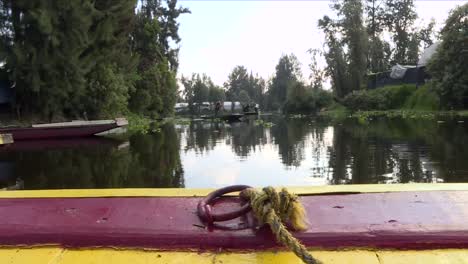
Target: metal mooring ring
[(205, 211)]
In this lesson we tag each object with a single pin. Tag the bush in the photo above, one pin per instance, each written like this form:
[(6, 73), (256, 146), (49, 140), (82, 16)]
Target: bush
[(303, 100), (390, 97), (424, 98)]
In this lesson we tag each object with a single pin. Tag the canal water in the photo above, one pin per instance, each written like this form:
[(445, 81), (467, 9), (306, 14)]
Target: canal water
[(276, 151)]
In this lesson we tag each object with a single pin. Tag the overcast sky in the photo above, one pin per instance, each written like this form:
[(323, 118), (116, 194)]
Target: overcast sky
[(219, 35)]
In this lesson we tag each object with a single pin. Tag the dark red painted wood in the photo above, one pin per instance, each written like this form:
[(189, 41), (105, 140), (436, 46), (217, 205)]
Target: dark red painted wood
[(406, 220), (32, 133)]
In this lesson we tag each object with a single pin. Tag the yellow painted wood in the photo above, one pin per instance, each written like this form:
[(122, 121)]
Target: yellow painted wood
[(327, 257), (29, 255), (6, 139), (56, 255), (447, 256), (104, 256), (168, 192)]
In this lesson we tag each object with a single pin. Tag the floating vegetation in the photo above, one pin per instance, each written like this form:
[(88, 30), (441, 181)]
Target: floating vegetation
[(181, 121), (138, 124), (296, 116), (263, 123)]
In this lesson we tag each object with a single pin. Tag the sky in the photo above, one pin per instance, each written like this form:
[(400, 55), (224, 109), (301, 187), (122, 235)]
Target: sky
[(218, 35)]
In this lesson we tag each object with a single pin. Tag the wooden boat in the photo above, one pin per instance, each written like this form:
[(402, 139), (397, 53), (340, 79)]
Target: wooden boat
[(60, 143), (373, 224), (251, 113), (229, 117), (63, 130)]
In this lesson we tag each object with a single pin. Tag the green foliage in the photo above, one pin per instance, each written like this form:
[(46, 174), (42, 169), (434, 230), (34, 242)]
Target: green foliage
[(399, 16), (155, 92), (287, 75), (424, 99), (449, 66), (216, 94), (199, 89), (303, 99), (244, 97), (346, 39), (263, 123), (241, 82), (390, 97), (90, 58), (138, 124)]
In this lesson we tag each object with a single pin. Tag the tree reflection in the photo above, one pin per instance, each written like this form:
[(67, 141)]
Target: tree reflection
[(150, 161), (398, 151)]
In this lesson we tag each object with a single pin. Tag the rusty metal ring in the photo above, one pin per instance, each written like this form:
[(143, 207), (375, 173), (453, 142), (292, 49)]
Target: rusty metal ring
[(205, 211)]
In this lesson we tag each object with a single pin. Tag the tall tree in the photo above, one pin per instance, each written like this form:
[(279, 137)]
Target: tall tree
[(399, 18), (317, 75), (287, 74), (55, 45), (355, 38), (156, 26), (346, 41), (449, 67), (238, 80)]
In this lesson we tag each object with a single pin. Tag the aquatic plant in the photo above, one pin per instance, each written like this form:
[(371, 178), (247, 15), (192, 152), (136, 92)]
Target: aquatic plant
[(263, 123)]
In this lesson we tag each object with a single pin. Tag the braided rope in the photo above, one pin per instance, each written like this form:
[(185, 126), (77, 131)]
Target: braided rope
[(274, 209)]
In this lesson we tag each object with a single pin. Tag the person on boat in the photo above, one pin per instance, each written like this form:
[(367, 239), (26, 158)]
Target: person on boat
[(246, 108), (217, 108)]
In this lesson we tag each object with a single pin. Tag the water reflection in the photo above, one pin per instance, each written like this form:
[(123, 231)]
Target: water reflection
[(294, 151), (318, 152), (149, 161)]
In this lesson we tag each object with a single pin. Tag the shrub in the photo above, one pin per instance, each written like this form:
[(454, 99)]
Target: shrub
[(390, 97), (302, 99), (424, 98)]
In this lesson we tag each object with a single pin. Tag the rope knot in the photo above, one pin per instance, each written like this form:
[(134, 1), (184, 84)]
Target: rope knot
[(284, 204), (274, 209)]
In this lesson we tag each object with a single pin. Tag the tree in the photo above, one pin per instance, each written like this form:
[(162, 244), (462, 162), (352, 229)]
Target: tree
[(449, 66), (238, 80), (346, 41), (216, 94), (427, 34), (355, 38), (53, 47), (399, 17), (335, 58), (244, 98), (155, 92), (317, 75), (287, 74)]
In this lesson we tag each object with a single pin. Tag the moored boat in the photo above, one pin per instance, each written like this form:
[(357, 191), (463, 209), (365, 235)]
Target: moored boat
[(227, 117), (251, 113), (347, 224), (63, 130)]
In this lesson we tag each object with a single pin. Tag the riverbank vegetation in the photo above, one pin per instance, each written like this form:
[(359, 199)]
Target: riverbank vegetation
[(363, 39), (90, 59), (96, 59)]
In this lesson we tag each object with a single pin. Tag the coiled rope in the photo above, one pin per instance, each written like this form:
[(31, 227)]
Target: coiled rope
[(275, 209)]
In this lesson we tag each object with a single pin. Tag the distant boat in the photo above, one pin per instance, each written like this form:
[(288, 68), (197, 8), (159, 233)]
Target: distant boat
[(229, 118), (63, 130)]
